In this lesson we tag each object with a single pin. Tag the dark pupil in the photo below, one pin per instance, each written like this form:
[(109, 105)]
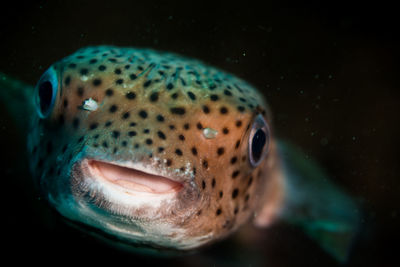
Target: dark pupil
[(257, 145), (45, 96)]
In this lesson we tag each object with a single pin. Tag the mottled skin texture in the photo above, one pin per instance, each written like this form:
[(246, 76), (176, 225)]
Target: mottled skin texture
[(153, 109)]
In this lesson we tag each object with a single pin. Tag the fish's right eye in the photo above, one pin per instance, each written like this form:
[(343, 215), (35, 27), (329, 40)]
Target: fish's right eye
[(46, 92)]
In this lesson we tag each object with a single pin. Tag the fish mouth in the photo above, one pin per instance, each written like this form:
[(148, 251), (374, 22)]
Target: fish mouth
[(131, 179)]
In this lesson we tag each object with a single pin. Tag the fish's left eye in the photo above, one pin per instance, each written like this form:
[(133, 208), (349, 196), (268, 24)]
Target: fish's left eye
[(258, 141), (46, 92)]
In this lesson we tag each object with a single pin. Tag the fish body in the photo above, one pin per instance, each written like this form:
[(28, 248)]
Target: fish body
[(163, 152)]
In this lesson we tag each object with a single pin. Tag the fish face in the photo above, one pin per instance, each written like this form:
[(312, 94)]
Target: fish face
[(151, 148)]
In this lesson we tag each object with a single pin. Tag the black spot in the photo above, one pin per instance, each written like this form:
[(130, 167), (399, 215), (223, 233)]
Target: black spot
[(149, 141), (133, 76), (213, 86), (205, 164), (186, 126), (181, 137), (143, 114), (225, 130), (127, 67), (169, 162), (214, 97), (109, 92), (213, 182), (65, 103), (75, 123), (112, 60), (220, 151), (170, 86), (67, 80), (130, 95), (93, 126), (199, 126), (125, 115), (227, 93), (237, 144), (206, 110), (203, 184), (178, 110), (113, 108), (161, 135), (108, 123), (174, 95), (146, 131), (72, 65), (238, 123), (132, 124), (80, 139), (241, 108), (236, 210), (80, 91), (191, 95), (132, 133), (154, 97), (119, 81), (115, 134), (117, 71), (194, 151), (84, 71), (96, 136), (105, 144), (147, 83), (223, 110), (160, 118), (124, 143), (235, 193), (246, 198), (96, 82), (233, 160), (160, 149), (250, 181), (219, 211), (172, 127), (221, 194), (235, 174), (92, 61), (102, 68), (178, 152)]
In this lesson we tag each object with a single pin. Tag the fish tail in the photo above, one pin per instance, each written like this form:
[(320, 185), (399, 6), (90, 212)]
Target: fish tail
[(321, 209), (17, 97)]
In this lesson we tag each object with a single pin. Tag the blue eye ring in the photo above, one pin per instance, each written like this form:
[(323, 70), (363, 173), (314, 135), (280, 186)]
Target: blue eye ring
[(46, 93), (259, 140)]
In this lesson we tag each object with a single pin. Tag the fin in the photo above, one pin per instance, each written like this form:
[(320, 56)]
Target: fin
[(17, 97), (320, 208)]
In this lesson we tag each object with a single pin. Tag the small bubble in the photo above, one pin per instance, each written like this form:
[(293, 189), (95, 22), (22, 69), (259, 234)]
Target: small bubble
[(209, 133)]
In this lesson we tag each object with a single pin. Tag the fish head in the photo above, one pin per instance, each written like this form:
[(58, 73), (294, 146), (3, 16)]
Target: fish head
[(154, 149)]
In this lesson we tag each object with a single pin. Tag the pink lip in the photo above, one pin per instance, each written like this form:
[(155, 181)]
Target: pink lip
[(133, 179)]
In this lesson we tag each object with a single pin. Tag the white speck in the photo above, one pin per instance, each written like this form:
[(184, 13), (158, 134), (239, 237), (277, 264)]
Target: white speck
[(84, 78), (90, 104), (209, 133)]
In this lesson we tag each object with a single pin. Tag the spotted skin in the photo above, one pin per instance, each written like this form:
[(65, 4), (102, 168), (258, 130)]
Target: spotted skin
[(153, 109)]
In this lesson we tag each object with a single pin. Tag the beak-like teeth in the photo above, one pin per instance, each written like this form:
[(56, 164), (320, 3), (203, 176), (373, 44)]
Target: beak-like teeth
[(133, 179)]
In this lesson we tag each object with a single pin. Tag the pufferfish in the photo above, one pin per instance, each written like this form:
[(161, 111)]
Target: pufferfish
[(160, 152)]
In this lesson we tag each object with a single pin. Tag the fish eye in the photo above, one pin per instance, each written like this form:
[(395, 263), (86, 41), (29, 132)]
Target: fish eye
[(258, 141), (46, 92)]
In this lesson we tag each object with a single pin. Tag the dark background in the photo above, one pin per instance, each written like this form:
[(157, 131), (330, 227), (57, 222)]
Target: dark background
[(329, 72)]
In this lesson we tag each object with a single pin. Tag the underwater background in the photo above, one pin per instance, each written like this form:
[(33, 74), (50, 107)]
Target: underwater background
[(328, 71)]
